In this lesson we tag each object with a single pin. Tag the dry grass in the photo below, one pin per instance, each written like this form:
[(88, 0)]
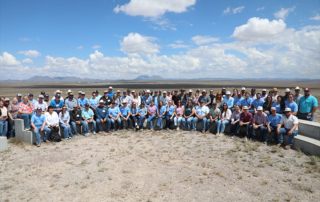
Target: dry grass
[(84, 186), (264, 182), (302, 187)]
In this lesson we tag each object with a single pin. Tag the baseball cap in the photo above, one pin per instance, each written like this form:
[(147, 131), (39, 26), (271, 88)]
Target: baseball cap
[(46, 95), (75, 105), (80, 91), (40, 96), (228, 93), (239, 93), (151, 91), (264, 90), (260, 108), (57, 95), (19, 95), (30, 94), (125, 91), (253, 89), (273, 108), (307, 89), (128, 90), (106, 91), (190, 91), (164, 92), (214, 103), (39, 108), (287, 90), (204, 90), (245, 107), (113, 102), (297, 88), (101, 101), (223, 88), (96, 91), (7, 99), (160, 90), (133, 91), (71, 94), (118, 91), (287, 109), (83, 93), (87, 105), (243, 88), (69, 91), (198, 90), (110, 87), (42, 92), (148, 91), (169, 91), (156, 91), (176, 91), (133, 103)]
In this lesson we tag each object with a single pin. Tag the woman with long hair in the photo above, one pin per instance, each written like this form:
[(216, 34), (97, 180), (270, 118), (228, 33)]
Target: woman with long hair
[(64, 119), (13, 114), (26, 109), (142, 113), (224, 118), (188, 114), (134, 115), (52, 120), (161, 113), (178, 113), (280, 105), (235, 120), (235, 93), (195, 98), (3, 120), (152, 113), (218, 100), (136, 98), (267, 105)]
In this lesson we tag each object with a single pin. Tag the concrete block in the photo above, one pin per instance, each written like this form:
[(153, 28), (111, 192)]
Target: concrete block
[(3, 144), (19, 126), (309, 129), (307, 145), (28, 137)]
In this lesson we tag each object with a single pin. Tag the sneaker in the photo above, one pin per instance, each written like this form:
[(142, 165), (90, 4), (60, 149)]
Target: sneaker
[(99, 132), (39, 145), (221, 134), (278, 145), (265, 142), (168, 129), (134, 129), (69, 138), (66, 138), (151, 129), (207, 131), (193, 131), (203, 132), (94, 133), (46, 141), (137, 127), (247, 139), (218, 134), (287, 147), (233, 136), (141, 129), (178, 128)]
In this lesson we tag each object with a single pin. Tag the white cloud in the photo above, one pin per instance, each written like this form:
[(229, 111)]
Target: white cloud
[(259, 29), (178, 46), (155, 8), (173, 28), (226, 11), (238, 10), (191, 24), (136, 43), (80, 47), (30, 53), (260, 9), (27, 60), (283, 12), (179, 41), (96, 47), (25, 39), (203, 39), (317, 17)]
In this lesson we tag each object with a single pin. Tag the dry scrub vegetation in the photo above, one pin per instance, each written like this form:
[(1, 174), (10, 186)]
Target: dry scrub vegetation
[(157, 166)]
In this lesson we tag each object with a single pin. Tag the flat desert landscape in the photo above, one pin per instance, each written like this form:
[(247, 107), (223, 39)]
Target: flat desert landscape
[(155, 165)]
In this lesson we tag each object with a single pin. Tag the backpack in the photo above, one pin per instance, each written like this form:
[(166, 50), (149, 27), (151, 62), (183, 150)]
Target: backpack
[(54, 136)]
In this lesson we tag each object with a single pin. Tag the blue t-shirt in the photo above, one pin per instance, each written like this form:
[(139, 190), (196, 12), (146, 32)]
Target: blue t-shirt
[(38, 120), (306, 105), (228, 101), (56, 105), (94, 102), (134, 110), (256, 103), (274, 121), (143, 111), (171, 110), (114, 111), (246, 102), (83, 102), (293, 106), (277, 106), (124, 111), (87, 114), (110, 94), (237, 101), (162, 110)]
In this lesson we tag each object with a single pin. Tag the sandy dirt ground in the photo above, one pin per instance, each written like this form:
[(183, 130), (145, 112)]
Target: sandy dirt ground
[(157, 166), (11, 90)]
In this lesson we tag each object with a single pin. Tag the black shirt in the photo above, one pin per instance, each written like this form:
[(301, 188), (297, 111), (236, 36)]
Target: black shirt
[(212, 98), (107, 100), (176, 98), (75, 116)]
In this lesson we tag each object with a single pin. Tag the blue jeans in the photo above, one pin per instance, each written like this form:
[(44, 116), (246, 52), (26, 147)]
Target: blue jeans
[(3, 128), (12, 131), (134, 120), (113, 123), (204, 123), (275, 134), (187, 123), (208, 124), (37, 133), (251, 110), (284, 131), (94, 126), (235, 128), (159, 122), (74, 126), (122, 122), (249, 130), (66, 130), (305, 117), (263, 131), (26, 118), (150, 120), (141, 121), (98, 122), (169, 121), (221, 125)]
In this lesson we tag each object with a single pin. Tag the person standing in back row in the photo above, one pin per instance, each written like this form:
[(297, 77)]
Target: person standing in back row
[(308, 105), (297, 95)]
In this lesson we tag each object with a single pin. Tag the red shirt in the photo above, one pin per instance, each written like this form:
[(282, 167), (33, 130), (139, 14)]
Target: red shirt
[(245, 118)]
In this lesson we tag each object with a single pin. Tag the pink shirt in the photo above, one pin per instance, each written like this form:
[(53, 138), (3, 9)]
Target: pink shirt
[(152, 109), (179, 110)]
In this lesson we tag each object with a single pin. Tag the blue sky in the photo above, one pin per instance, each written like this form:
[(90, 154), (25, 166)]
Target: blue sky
[(171, 38)]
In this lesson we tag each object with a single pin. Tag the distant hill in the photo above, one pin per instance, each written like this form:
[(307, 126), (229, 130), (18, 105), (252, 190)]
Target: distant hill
[(59, 79), (146, 77)]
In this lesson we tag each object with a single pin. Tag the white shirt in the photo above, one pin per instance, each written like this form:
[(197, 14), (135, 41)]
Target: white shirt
[(43, 105), (137, 101), (4, 111), (263, 97), (226, 115), (253, 97), (61, 98), (289, 122), (201, 111), (52, 119)]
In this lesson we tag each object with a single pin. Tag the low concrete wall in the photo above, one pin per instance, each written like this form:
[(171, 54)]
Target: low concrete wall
[(3, 144)]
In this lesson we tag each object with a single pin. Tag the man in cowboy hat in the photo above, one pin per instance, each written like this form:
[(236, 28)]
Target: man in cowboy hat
[(68, 94), (297, 95), (58, 92), (147, 98)]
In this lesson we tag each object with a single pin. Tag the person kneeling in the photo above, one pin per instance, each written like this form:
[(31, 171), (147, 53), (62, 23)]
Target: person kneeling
[(290, 124), (38, 122)]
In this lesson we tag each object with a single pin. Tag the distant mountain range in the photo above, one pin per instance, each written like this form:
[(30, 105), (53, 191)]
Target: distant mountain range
[(146, 77)]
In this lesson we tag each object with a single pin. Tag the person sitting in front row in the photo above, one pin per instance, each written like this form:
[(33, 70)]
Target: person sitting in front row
[(224, 119), (178, 113), (290, 128), (87, 116), (260, 122), (246, 120), (38, 122), (125, 114), (152, 113), (170, 114), (188, 116), (102, 116), (235, 120), (52, 120), (64, 119), (201, 113), (76, 119), (114, 116), (142, 113), (161, 114), (134, 110), (273, 121), (26, 109)]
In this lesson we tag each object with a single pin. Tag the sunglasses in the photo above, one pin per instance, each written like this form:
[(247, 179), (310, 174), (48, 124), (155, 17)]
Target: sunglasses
[(279, 98)]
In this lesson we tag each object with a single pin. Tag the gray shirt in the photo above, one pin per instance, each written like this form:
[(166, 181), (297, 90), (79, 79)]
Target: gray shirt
[(165, 100), (206, 99), (69, 103), (296, 98)]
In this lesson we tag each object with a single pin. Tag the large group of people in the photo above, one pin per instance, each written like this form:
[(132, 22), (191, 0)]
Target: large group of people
[(263, 112)]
